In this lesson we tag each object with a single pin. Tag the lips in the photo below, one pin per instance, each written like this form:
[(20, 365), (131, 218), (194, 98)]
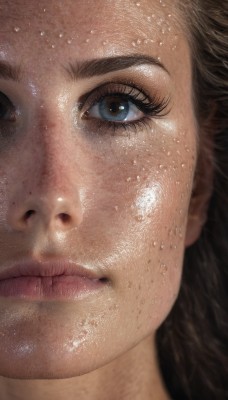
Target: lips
[(58, 279)]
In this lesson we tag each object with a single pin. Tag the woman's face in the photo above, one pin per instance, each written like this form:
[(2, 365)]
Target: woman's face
[(96, 168)]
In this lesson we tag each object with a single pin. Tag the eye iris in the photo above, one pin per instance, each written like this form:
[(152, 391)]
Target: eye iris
[(113, 108)]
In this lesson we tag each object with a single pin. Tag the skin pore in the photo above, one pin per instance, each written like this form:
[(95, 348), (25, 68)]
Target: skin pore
[(125, 191)]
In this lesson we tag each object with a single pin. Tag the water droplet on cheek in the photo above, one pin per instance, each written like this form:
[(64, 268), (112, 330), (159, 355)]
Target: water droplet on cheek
[(60, 35), (42, 33), (16, 29)]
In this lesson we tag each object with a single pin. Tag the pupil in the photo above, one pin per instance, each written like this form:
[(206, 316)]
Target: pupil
[(114, 108)]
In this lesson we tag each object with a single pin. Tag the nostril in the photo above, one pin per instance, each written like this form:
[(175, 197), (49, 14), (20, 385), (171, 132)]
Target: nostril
[(28, 214), (65, 217)]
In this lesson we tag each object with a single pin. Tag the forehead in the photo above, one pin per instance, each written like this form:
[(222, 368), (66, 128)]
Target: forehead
[(90, 22)]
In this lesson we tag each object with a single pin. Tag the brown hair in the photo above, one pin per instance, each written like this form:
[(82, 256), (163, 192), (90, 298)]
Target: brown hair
[(192, 342)]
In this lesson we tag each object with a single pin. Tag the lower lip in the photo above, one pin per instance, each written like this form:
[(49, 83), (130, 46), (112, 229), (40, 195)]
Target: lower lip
[(55, 287)]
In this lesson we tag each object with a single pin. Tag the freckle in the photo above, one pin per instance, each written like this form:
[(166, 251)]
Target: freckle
[(87, 40), (142, 302), (16, 29), (139, 218), (149, 261)]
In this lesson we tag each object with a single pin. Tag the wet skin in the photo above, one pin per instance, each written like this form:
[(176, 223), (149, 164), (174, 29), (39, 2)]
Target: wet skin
[(125, 189)]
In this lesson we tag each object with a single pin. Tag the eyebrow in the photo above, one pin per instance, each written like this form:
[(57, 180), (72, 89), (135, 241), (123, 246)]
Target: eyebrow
[(88, 69), (10, 72), (101, 66)]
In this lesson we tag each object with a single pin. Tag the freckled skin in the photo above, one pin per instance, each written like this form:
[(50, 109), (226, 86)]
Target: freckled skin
[(131, 230)]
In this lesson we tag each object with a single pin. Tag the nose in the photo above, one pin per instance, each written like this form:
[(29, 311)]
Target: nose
[(46, 189), (55, 212)]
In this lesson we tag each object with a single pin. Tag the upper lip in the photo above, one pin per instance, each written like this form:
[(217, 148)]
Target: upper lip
[(48, 268)]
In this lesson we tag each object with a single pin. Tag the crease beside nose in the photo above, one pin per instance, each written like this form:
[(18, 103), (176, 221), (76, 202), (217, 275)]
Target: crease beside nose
[(52, 211)]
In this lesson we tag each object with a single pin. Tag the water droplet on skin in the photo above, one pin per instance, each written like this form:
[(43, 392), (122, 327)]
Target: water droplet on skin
[(52, 46), (134, 162), (160, 44), (105, 42), (183, 165), (133, 44), (162, 246), (138, 178), (155, 243), (169, 153), (16, 29), (60, 35), (146, 41), (163, 268), (148, 19), (139, 41), (174, 47), (128, 179), (116, 208), (92, 32), (44, 10), (42, 33), (169, 15), (137, 4), (87, 40), (69, 41)]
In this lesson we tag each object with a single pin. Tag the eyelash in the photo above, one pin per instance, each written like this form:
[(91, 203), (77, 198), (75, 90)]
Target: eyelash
[(151, 107)]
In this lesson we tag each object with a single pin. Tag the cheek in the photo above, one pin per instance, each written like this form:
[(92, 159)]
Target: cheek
[(142, 210)]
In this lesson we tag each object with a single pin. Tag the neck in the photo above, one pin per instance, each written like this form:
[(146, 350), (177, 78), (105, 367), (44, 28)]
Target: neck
[(133, 376)]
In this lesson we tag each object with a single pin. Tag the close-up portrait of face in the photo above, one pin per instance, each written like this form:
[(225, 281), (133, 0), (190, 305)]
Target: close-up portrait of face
[(113, 199)]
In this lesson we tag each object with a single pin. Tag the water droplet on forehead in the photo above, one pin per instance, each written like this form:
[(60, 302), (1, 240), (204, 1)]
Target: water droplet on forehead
[(53, 46), (69, 41), (92, 31), (42, 33), (116, 208), (137, 4), (128, 179), (138, 178), (60, 35), (138, 41), (134, 162), (16, 29), (133, 44)]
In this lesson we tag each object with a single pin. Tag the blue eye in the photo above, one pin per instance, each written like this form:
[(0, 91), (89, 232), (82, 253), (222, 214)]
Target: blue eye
[(115, 108)]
